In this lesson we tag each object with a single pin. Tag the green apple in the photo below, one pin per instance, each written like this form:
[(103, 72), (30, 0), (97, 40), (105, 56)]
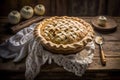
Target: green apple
[(14, 17), (39, 9), (102, 21), (27, 12)]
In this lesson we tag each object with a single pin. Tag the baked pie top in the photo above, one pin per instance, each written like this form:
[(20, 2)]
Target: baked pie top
[(64, 34)]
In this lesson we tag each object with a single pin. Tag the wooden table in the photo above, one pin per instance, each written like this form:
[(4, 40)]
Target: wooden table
[(95, 70)]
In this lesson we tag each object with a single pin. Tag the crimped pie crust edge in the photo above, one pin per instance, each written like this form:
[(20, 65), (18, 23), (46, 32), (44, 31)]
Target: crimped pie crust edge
[(67, 48)]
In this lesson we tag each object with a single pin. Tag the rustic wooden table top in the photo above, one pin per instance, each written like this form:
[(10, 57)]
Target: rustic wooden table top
[(111, 48)]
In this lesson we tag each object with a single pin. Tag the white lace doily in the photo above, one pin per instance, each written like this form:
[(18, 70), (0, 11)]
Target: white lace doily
[(23, 44)]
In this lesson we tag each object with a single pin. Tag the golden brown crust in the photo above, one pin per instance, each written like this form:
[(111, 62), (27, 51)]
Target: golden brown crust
[(64, 34)]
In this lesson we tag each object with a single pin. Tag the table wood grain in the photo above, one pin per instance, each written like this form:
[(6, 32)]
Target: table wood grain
[(111, 48)]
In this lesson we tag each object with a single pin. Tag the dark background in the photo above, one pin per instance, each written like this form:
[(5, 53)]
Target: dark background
[(59, 8), (66, 7)]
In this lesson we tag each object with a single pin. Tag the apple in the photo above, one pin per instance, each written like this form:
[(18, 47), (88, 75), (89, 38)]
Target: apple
[(14, 17), (39, 9), (27, 12), (102, 21)]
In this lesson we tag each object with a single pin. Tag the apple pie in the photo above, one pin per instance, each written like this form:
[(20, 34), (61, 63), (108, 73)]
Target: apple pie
[(64, 34)]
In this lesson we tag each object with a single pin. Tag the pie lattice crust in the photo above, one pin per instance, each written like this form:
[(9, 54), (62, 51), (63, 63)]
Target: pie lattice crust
[(64, 34)]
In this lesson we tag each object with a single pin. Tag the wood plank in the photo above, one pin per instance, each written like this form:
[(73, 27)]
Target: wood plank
[(112, 64), (3, 20), (4, 37), (111, 49), (25, 24), (11, 75), (61, 10), (79, 8), (7, 6), (10, 66)]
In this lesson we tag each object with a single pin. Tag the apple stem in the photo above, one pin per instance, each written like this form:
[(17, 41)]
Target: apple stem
[(14, 12), (39, 5), (27, 8)]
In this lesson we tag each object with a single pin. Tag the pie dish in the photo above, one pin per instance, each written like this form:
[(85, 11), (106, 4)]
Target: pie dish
[(64, 34)]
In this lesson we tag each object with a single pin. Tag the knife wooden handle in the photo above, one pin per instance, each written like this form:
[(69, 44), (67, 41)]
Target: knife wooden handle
[(103, 59)]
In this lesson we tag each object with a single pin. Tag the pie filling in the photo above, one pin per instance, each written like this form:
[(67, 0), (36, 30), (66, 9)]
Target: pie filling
[(65, 31)]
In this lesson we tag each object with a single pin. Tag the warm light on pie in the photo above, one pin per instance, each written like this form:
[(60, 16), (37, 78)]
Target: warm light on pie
[(64, 34)]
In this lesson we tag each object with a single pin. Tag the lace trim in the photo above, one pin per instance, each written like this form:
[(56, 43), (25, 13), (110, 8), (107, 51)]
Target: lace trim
[(76, 63)]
